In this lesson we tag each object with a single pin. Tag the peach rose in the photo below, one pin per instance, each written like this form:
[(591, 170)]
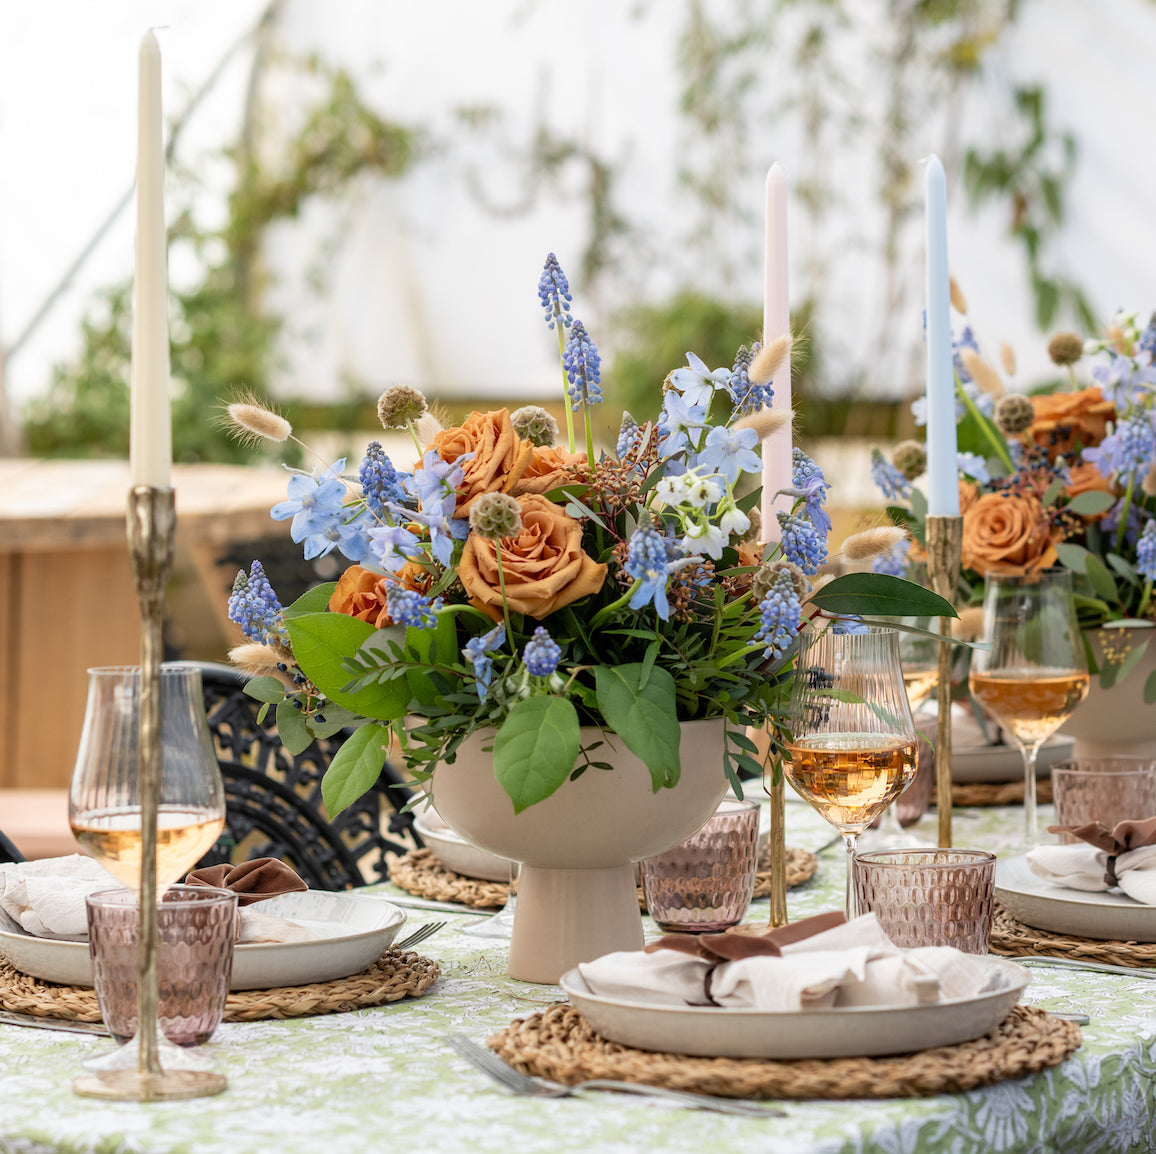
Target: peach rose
[(360, 592), (549, 468), (1064, 420), (1008, 533), (544, 566), (968, 491), (499, 459), (1086, 478)]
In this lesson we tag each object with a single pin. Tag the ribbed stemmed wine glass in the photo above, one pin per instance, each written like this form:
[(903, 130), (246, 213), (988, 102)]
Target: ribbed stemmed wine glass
[(1035, 674), (853, 742)]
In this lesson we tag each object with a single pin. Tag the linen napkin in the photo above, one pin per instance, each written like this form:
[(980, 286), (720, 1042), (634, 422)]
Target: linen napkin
[(1123, 856), (819, 963), (46, 899)]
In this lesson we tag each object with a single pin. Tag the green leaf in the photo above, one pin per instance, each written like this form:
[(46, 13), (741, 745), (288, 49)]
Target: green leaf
[(535, 749), (881, 595), (267, 689), (1150, 689), (421, 645), (1054, 490), (321, 642), (1102, 581), (1131, 661), (1124, 568), (355, 768), (1090, 503), (1073, 557), (291, 728), (644, 716), (315, 600)]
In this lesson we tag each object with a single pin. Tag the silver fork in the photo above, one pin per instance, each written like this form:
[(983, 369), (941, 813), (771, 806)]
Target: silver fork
[(419, 935), (489, 1063)]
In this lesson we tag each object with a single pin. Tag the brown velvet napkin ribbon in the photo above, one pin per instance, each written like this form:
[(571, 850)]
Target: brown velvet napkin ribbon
[(731, 945), (252, 881), (1122, 837)]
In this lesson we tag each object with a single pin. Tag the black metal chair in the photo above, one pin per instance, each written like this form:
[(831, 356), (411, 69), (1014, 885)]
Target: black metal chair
[(8, 851), (273, 799)]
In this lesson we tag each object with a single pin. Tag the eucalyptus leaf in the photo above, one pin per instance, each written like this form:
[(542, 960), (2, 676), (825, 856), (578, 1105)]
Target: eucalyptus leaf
[(644, 716), (1150, 689), (267, 689), (880, 595), (1073, 557), (1124, 568), (535, 749), (291, 728), (1131, 661), (354, 768), (1054, 490), (1102, 581), (1091, 503)]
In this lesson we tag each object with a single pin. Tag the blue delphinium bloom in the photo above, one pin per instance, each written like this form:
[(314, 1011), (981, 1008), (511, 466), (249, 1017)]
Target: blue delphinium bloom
[(352, 536), (808, 481), (894, 561), (1146, 552), (779, 615), (889, 480), (254, 606), (1111, 522), (554, 293), (435, 486), (391, 546), (380, 482), (582, 363), (1128, 451), (730, 452), (315, 504), (802, 542), (541, 654), (477, 652), (746, 396), (651, 558), (1122, 378), (974, 466), (410, 608), (675, 422), (697, 383), (849, 625)]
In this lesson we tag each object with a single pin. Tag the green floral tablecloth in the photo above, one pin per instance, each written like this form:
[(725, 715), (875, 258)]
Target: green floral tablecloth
[(386, 1079)]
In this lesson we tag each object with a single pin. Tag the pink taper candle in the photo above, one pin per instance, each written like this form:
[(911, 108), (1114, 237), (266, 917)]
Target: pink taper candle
[(151, 434), (776, 323)]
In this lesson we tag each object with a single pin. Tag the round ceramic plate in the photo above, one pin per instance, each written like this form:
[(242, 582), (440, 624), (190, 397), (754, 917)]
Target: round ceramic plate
[(357, 930), (972, 764), (852, 1032), (1046, 906), (457, 854)]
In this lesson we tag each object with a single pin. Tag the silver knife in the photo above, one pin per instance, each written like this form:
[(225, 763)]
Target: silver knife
[(431, 904), (1078, 964), (9, 1018)]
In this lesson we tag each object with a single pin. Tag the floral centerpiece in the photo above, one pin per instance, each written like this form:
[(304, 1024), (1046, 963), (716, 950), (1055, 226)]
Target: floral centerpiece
[(512, 584), (1066, 477)]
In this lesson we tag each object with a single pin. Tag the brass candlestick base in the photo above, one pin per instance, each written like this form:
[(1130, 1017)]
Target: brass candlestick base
[(944, 543)]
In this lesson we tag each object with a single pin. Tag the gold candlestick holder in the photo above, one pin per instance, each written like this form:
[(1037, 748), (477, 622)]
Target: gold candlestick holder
[(778, 837), (151, 530), (944, 543)]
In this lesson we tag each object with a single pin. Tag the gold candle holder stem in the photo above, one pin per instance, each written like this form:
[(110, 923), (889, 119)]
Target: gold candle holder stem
[(944, 544), (778, 838)]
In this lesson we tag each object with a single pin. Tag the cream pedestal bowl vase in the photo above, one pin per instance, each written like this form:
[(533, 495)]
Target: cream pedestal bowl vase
[(1116, 722), (577, 898)]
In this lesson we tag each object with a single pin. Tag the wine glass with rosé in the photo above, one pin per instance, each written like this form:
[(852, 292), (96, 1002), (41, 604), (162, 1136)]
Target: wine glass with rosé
[(1034, 674), (852, 744)]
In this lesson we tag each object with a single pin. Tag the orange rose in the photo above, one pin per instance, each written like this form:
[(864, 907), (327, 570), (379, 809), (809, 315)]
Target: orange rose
[(544, 566), (499, 459), (1064, 419), (550, 468), (1086, 478), (968, 491), (1008, 533), (360, 592)]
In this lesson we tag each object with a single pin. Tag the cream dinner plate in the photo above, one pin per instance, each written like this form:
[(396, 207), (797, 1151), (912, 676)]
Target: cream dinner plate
[(1046, 906), (851, 1032), (972, 764), (354, 930), (457, 854)]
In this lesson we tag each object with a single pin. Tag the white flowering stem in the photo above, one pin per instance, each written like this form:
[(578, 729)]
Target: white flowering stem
[(502, 587), (565, 389)]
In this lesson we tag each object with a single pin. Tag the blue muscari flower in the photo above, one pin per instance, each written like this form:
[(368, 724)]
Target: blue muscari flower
[(779, 615), (554, 292), (747, 397), (697, 383), (477, 652), (315, 504), (1146, 552), (582, 363), (675, 422), (1147, 343), (1127, 451), (409, 607), (802, 542), (380, 482), (894, 561), (254, 606), (974, 466), (541, 654), (651, 558), (627, 436), (729, 452), (808, 481), (889, 480)]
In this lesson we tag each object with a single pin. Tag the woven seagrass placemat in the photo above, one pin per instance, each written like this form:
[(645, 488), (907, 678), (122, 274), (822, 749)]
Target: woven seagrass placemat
[(421, 874), (1013, 939), (560, 1044), (395, 975), (998, 792)]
